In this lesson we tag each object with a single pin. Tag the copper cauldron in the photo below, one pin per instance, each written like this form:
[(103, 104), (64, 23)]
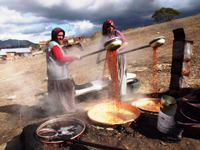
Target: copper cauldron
[(113, 114)]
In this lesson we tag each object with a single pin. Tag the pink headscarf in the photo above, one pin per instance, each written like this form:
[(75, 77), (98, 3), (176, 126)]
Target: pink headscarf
[(55, 32), (106, 24)]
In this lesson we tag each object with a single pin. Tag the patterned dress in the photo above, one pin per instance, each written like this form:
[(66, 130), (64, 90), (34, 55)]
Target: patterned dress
[(187, 113)]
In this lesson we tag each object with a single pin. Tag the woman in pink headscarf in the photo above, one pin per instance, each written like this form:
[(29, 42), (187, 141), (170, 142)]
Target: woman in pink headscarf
[(108, 32), (60, 87)]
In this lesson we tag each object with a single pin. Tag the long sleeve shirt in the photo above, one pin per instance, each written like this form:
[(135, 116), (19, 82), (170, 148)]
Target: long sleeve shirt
[(56, 52), (56, 62)]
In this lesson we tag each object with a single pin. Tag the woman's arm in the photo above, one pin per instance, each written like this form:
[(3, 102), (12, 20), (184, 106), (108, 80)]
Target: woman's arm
[(124, 41), (122, 46), (56, 52)]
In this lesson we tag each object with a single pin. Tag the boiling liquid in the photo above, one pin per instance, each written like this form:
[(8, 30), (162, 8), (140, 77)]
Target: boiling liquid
[(110, 114)]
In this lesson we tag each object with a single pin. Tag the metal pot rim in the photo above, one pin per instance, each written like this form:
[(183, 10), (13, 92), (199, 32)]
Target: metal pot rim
[(44, 139)]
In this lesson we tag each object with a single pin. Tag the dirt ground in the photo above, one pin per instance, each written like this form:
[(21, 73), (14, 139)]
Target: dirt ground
[(24, 104)]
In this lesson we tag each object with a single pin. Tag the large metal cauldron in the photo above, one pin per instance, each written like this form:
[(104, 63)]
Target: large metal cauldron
[(148, 104), (72, 127), (113, 114), (65, 130)]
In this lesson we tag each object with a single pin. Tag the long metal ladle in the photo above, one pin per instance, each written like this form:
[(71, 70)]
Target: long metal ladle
[(157, 42), (168, 101), (101, 50)]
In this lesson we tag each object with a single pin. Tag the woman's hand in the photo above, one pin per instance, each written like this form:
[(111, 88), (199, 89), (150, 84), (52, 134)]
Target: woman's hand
[(98, 61), (188, 98), (118, 52), (77, 57)]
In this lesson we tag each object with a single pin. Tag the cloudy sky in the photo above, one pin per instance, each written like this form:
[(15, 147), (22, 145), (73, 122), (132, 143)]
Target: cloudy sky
[(34, 20)]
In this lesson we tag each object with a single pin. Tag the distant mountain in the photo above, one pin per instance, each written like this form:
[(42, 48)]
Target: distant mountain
[(15, 43)]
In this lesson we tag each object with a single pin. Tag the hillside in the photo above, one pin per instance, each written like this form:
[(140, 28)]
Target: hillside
[(14, 43), (25, 80)]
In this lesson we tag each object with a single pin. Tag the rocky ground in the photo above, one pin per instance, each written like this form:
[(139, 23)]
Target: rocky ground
[(24, 105)]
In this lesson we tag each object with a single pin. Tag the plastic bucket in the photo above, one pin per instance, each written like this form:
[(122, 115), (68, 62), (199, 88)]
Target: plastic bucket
[(166, 120)]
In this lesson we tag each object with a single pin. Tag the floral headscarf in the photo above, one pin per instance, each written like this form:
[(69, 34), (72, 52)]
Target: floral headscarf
[(55, 32), (106, 24)]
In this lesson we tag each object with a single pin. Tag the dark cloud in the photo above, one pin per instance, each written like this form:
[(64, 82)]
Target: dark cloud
[(32, 30), (127, 13), (131, 12)]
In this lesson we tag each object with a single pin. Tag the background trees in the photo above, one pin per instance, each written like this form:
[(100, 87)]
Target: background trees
[(165, 14)]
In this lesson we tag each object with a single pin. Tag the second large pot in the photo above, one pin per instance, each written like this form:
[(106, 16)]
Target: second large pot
[(113, 114)]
